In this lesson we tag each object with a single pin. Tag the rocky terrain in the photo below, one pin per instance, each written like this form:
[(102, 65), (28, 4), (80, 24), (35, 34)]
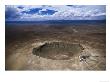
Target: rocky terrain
[(55, 47)]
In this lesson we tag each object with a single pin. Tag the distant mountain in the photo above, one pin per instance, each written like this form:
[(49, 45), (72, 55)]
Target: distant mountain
[(61, 22)]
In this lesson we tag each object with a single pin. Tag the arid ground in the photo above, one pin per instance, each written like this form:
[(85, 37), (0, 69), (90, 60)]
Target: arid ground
[(55, 47)]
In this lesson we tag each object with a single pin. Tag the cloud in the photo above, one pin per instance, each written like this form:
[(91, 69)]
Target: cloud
[(56, 12), (76, 6), (20, 7), (47, 12), (11, 13)]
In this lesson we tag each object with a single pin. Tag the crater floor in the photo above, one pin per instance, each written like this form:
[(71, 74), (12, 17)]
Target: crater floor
[(57, 50)]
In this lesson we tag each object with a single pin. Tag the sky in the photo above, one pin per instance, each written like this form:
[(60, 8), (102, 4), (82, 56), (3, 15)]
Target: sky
[(54, 12)]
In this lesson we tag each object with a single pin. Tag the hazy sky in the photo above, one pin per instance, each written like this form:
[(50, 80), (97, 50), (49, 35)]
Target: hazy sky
[(54, 12)]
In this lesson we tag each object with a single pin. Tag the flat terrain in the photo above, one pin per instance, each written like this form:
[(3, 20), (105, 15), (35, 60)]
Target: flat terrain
[(23, 39)]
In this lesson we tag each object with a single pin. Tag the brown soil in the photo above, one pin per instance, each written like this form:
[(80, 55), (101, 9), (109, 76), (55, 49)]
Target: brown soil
[(55, 47)]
